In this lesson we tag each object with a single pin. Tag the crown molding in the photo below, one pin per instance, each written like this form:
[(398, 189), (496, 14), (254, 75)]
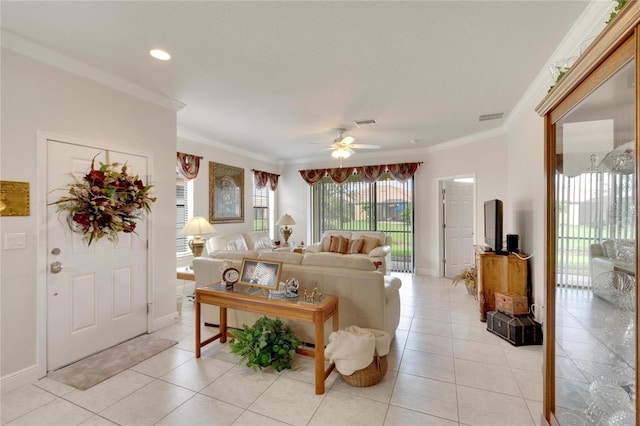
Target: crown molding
[(40, 53), (197, 137), (604, 42), (587, 27)]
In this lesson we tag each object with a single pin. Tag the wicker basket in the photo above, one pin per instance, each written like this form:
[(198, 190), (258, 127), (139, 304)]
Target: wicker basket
[(369, 375)]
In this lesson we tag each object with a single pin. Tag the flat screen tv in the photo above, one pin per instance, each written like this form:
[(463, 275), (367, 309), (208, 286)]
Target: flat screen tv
[(493, 225)]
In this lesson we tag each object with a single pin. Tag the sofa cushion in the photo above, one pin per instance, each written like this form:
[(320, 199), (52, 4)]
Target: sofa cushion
[(381, 236), (609, 248), (326, 243), (369, 244), (380, 251), (326, 238), (234, 254), (355, 246), (625, 251), (282, 256), (226, 242), (336, 260), (339, 245), (258, 240), (333, 243)]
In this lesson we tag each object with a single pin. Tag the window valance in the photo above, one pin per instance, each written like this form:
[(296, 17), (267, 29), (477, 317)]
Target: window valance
[(187, 165), (401, 172), (262, 178)]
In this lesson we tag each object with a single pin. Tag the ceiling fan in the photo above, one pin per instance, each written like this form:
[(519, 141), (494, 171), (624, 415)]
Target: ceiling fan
[(343, 146)]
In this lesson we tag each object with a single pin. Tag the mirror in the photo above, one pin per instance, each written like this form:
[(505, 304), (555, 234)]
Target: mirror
[(595, 257)]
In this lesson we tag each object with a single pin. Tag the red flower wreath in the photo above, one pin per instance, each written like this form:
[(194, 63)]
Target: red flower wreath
[(105, 202)]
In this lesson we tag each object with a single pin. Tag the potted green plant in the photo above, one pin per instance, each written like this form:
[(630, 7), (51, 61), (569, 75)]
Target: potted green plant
[(468, 276), (267, 343)]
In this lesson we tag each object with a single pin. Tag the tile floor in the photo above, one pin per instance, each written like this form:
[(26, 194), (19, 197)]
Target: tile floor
[(444, 369), (595, 358)]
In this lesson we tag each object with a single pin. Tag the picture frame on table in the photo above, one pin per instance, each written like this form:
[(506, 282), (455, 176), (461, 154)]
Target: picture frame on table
[(260, 273)]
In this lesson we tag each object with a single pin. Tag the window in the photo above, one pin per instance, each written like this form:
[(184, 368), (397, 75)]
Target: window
[(262, 214), (385, 205), (595, 206), (184, 212)]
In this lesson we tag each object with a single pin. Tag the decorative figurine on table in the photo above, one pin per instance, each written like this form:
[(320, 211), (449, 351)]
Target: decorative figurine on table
[(314, 297), (291, 287)]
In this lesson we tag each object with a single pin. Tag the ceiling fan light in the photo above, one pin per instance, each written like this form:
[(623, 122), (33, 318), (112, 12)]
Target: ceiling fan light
[(341, 153)]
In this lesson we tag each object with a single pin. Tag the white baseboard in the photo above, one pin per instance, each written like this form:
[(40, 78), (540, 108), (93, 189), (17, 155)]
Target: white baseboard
[(22, 378), (164, 321), (428, 272)]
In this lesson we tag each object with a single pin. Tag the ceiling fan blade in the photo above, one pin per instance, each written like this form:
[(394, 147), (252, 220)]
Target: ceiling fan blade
[(347, 140), (364, 146)]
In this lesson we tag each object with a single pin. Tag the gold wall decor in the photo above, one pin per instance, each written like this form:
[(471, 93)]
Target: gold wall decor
[(14, 198), (226, 193)]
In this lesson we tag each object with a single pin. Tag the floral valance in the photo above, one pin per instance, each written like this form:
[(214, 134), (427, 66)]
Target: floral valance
[(262, 178), (401, 172), (187, 165)]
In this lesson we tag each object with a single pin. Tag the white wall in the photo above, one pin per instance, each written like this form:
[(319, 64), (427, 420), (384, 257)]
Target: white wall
[(526, 210), (40, 98), (201, 183)]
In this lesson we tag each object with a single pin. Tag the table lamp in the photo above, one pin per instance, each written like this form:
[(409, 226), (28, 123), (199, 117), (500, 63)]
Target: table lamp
[(286, 232), (197, 226)]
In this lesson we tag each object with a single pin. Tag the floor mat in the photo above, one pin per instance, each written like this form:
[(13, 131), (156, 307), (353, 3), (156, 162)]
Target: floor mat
[(90, 371)]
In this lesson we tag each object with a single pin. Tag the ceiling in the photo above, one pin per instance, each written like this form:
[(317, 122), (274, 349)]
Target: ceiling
[(277, 78)]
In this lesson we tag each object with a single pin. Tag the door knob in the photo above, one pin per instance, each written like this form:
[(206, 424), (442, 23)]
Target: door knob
[(56, 267)]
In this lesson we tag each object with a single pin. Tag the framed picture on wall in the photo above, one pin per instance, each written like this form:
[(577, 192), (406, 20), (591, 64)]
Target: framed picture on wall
[(226, 193)]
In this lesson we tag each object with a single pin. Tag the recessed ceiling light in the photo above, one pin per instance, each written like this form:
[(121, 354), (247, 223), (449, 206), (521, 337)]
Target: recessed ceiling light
[(160, 54)]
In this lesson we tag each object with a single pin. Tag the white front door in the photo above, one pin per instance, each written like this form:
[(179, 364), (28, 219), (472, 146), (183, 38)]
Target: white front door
[(99, 297), (458, 227)]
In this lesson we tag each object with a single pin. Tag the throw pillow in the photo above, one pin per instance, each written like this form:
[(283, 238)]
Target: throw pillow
[(339, 245), (326, 243), (343, 245), (355, 246), (369, 244), (333, 245)]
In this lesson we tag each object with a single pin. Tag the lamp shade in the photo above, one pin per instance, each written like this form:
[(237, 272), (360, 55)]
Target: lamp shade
[(285, 220), (197, 226)]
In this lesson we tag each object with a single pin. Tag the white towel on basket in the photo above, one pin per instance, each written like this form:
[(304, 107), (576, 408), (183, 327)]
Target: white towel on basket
[(353, 348)]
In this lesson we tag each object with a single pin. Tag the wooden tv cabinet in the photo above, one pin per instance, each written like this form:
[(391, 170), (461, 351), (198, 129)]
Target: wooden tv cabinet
[(499, 273)]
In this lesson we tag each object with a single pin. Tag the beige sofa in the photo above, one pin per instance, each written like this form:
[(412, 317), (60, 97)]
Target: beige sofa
[(379, 255), (255, 241), (611, 256), (366, 297)]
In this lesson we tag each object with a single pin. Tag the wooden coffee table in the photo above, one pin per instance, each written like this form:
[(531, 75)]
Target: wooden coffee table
[(316, 313)]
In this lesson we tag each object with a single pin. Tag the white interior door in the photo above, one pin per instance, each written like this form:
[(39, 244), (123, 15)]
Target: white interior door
[(99, 298), (458, 227)]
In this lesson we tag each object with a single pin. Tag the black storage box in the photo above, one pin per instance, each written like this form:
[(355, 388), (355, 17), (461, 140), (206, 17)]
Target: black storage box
[(520, 330)]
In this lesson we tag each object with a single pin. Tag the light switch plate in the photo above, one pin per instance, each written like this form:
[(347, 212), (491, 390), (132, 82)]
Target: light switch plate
[(15, 241)]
